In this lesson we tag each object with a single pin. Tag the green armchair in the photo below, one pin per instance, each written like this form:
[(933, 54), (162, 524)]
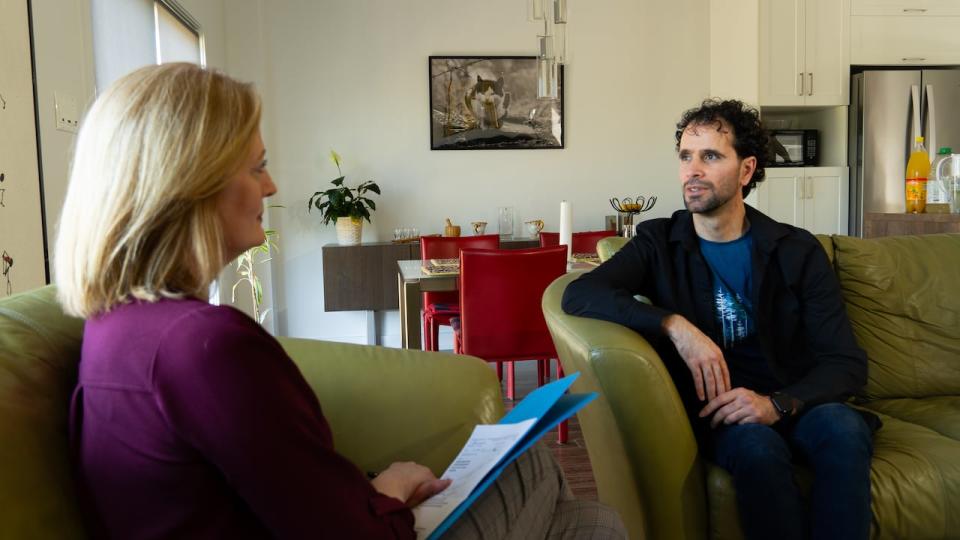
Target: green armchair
[(381, 404), (903, 299)]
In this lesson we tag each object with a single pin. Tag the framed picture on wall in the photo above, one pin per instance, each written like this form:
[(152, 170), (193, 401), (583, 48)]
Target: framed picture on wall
[(490, 103)]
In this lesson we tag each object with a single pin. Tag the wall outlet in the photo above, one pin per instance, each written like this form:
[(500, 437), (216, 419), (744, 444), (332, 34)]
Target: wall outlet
[(67, 111)]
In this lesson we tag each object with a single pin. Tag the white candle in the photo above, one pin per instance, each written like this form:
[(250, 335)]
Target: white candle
[(566, 226)]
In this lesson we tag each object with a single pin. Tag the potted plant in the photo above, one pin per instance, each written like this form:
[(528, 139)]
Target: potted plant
[(345, 206)]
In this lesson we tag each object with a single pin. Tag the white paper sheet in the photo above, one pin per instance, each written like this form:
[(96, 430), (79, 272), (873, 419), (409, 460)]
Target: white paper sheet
[(485, 448)]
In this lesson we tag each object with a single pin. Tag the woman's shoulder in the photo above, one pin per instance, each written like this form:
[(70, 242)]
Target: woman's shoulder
[(195, 322), (182, 325), (198, 337), (175, 313)]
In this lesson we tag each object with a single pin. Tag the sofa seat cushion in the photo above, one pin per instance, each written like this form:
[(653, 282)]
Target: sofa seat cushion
[(939, 413), (915, 485), (903, 298)]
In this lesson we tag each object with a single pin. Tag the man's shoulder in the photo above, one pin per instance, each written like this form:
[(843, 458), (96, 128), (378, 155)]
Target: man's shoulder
[(784, 234), (663, 228), (797, 250)]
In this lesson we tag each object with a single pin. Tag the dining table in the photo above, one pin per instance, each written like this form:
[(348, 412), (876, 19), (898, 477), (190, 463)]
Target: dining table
[(412, 280)]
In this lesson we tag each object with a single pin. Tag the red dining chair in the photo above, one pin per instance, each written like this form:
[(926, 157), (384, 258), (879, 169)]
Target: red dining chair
[(439, 307), (500, 315), (583, 242)]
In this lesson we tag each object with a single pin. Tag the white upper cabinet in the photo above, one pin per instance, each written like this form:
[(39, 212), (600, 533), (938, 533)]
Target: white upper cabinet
[(905, 32), (804, 52), (782, 68), (923, 8), (827, 47), (904, 40)]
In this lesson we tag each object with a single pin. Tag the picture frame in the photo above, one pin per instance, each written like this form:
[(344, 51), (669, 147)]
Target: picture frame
[(490, 103)]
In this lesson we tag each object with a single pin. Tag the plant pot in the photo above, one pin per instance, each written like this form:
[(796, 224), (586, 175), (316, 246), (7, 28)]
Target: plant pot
[(349, 230)]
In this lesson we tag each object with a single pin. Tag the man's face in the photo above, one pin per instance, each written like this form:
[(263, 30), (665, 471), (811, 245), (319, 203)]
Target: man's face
[(711, 172)]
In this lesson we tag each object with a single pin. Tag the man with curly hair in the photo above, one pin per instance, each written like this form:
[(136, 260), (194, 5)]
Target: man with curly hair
[(747, 315)]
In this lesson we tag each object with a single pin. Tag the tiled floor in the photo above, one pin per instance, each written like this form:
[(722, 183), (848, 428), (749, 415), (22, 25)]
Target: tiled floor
[(571, 456)]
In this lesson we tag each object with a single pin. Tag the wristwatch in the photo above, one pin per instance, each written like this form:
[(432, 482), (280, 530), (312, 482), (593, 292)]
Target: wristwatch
[(785, 404)]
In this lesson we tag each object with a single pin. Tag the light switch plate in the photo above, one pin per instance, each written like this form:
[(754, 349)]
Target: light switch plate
[(67, 111)]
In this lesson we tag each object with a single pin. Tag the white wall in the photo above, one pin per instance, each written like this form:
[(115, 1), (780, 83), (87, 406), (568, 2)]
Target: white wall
[(352, 76)]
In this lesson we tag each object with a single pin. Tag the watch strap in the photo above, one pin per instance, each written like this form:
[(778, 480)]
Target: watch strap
[(785, 404)]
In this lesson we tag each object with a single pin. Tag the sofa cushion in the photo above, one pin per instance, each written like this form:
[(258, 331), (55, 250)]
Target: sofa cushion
[(826, 242), (903, 297), (381, 403), (915, 486), (939, 413), (39, 351)]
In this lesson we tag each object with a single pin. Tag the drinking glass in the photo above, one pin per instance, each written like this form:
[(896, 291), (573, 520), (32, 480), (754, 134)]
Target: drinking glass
[(506, 220)]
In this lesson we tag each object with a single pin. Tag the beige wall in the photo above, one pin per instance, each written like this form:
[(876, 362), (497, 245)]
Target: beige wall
[(352, 76), (735, 53), (64, 64)]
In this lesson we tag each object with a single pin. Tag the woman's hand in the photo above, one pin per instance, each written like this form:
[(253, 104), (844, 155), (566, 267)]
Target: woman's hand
[(409, 482)]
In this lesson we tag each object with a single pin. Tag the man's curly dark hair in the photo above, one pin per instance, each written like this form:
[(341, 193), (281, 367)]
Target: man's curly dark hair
[(749, 138)]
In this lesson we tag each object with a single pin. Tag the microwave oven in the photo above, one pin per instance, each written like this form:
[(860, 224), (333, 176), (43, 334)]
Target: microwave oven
[(793, 148)]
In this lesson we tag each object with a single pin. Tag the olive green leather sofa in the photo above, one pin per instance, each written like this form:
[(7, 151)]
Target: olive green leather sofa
[(903, 298), (381, 404)]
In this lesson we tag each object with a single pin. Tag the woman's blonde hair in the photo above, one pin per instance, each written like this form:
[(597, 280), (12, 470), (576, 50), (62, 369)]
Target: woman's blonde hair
[(140, 218)]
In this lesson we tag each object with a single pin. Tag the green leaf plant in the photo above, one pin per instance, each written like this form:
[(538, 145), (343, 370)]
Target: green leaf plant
[(342, 201), (247, 270)]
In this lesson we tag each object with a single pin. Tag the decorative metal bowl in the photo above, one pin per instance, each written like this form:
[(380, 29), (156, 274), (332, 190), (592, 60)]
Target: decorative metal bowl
[(633, 206)]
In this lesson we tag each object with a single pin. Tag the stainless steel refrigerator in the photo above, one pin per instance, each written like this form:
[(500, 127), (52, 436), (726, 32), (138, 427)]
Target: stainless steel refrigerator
[(888, 108)]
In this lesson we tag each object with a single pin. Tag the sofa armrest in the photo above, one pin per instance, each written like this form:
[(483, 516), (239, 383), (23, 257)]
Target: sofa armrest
[(639, 439), (387, 405)]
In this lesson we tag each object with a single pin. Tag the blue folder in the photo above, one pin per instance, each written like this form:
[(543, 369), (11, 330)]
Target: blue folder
[(551, 406)]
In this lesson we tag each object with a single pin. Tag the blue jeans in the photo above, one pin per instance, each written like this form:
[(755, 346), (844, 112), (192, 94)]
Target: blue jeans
[(834, 441)]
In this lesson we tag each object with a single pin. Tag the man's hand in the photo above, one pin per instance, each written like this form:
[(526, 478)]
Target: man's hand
[(740, 406), (409, 482), (702, 356)]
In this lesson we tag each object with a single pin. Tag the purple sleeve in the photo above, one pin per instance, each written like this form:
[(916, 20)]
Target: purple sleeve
[(229, 390)]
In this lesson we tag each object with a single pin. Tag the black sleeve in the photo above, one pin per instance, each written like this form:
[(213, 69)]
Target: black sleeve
[(607, 292), (840, 365)]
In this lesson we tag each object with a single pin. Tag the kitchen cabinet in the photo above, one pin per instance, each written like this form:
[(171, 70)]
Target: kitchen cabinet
[(920, 8), (813, 198), (914, 40), (804, 52)]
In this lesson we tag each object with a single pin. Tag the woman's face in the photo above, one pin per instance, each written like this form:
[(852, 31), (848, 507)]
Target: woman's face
[(240, 204)]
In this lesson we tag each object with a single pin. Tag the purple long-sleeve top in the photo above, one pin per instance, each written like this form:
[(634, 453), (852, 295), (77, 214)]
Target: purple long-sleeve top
[(190, 421)]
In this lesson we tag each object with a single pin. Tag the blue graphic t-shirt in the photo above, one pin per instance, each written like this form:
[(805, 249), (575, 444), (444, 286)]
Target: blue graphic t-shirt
[(731, 265), (732, 281)]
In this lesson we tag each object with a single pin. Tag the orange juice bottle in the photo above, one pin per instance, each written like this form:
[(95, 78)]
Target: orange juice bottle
[(918, 169)]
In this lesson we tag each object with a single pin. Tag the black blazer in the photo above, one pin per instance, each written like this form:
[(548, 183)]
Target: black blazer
[(801, 320)]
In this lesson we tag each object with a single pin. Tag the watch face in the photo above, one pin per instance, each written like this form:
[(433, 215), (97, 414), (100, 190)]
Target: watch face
[(781, 403)]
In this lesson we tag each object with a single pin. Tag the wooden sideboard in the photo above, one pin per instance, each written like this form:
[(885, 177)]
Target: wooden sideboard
[(875, 224), (364, 277)]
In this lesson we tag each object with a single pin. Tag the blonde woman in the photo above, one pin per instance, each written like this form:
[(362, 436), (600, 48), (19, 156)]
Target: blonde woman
[(173, 431)]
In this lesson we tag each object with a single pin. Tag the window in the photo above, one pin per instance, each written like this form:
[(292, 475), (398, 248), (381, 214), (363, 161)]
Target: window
[(177, 34), (129, 34)]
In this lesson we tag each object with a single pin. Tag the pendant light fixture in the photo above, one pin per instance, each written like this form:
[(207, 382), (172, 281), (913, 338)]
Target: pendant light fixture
[(552, 44)]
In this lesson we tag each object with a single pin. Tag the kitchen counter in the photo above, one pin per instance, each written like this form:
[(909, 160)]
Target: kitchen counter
[(875, 224)]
